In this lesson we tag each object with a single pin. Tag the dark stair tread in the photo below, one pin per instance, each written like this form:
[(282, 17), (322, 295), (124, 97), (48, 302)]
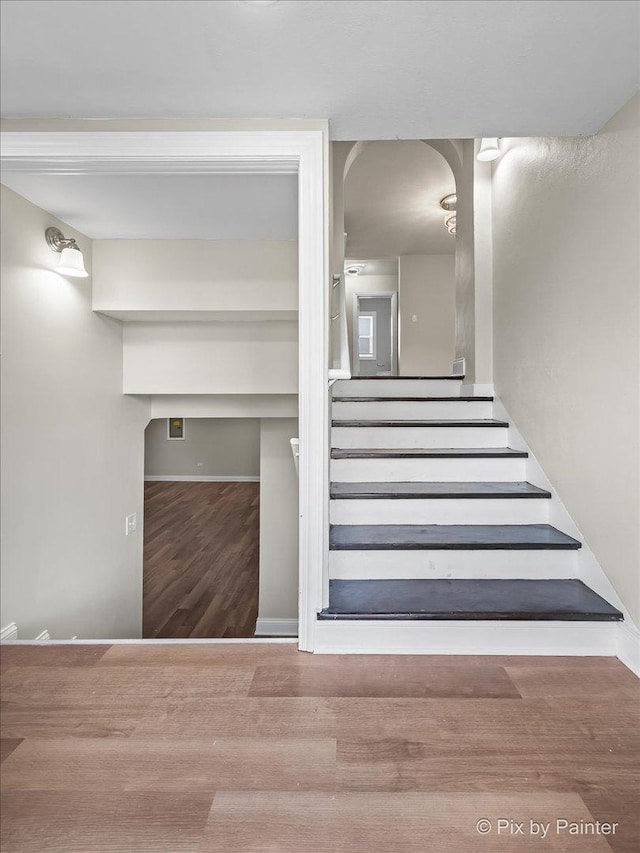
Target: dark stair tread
[(434, 599), (455, 377), (370, 491), (413, 399), (468, 422), (415, 537), (428, 453)]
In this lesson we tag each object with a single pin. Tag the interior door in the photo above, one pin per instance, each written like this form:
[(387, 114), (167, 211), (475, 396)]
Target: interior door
[(374, 338)]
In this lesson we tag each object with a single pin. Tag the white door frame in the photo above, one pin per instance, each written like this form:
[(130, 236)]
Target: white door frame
[(385, 294), (303, 152)]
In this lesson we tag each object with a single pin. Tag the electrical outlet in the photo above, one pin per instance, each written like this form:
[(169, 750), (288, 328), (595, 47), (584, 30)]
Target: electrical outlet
[(131, 524)]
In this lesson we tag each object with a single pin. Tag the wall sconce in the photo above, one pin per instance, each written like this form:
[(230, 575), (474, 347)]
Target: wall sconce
[(489, 149), (71, 261)]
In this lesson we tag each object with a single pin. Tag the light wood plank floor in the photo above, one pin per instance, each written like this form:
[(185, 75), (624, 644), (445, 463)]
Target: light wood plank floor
[(201, 553), (247, 748)]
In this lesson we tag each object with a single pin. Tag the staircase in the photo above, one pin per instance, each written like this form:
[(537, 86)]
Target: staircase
[(433, 519)]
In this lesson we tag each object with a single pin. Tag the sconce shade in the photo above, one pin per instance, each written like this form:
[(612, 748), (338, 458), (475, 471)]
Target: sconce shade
[(489, 149), (72, 263)]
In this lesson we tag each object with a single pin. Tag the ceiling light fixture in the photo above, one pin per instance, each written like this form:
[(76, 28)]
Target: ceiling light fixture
[(450, 222), (260, 2), (354, 269), (71, 261), (489, 149), (449, 202)]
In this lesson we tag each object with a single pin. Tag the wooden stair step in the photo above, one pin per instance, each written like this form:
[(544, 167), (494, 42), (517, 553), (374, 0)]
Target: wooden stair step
[(372, 491), (413, 399), (488, 599), (428, 453), (415, 537), (467, 422)]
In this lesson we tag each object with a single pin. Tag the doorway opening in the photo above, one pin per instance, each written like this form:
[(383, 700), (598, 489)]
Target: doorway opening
[(375, 334)]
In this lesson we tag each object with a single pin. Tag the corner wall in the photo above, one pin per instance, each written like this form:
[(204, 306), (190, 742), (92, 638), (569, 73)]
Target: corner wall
[(566, 220), (72, 447)]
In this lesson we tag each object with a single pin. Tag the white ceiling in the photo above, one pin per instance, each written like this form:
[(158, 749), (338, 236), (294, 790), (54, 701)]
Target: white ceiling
[(189, 207), (392, 201), (377, 70)]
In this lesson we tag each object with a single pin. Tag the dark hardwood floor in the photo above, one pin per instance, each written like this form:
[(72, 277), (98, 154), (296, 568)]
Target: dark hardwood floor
[(201, 552), (255, 747)]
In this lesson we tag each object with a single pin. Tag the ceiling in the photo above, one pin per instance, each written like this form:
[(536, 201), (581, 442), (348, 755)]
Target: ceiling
[(188, 207), (378, 70), (392, 201)]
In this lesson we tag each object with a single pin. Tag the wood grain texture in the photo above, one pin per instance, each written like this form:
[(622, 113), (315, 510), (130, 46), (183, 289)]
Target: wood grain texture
[(201, 553), (258, 747)]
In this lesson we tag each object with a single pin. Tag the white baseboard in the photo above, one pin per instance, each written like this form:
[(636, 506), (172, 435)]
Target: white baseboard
[(9, 633), (201, 478), (277, 627), (466, 638), (477, 390), (629, 646)]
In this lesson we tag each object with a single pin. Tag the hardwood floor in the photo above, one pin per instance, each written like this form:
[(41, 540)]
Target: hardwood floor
[(201, 552), (247, 748)]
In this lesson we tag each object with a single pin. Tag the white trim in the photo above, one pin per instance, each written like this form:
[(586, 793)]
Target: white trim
[(477, 389), (277, 627), (201, 478), (9, 633), (629, 646), (196, 152), (467, 638)]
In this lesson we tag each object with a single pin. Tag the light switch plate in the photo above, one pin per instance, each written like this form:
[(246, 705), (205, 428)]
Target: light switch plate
[(131, 523)]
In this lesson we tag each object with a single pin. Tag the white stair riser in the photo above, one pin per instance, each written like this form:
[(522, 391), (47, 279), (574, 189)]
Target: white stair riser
[(472, 638), (446, 470), (423, 437), (362, 565), (396, 410), (397, 388), (440, 511)]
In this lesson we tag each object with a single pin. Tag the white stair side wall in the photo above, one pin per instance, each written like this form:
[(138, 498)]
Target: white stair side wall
[(435, 470), (397, 388), (439, 511), (423, 437), (424, 410), (364, 565), (589, 570)]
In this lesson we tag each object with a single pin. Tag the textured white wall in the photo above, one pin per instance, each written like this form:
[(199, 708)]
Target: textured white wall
[(224, 447), (211, 358), (278, 598), (566, 322), (427, 288), (72, 447), (195, 275)]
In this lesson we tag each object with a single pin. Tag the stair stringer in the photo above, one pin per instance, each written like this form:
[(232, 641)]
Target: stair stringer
[(588, 568)]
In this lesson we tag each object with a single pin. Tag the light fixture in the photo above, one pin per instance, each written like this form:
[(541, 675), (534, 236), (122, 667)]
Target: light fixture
[(260, 2), (450, 222), (354, 269), (71, 261), (449, 202), (489, 149)]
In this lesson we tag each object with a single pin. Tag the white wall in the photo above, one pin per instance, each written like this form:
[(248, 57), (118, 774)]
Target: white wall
[(278, 597), (566, 320), (72, 447), (212, 447), (195, 275), (427, 290), (211, 358)]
